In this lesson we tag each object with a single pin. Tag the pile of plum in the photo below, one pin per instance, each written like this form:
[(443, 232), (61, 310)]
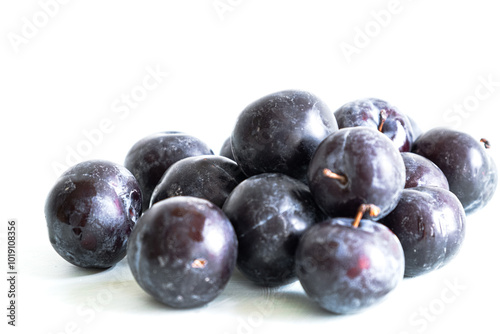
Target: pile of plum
[(347, 202)]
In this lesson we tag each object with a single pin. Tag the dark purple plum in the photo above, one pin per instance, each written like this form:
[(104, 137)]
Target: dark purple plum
[(183, 251), (421, 172), (226, 150), (472, 174), (380, 115), (430, 224), (355, 166), (91, 211), (417, 130), (269, 213), (347, 265), (150, 157), (280, 132), (205, 176)]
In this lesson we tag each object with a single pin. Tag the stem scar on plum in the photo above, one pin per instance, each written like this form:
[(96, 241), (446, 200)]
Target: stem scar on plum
[(341, 178), (383, 117), (199, 263), (373, 211), (486, 143)]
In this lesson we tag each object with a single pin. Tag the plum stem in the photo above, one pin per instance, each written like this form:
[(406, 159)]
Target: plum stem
[(485, 142), (341, 178), (371, 208), (383, 117)]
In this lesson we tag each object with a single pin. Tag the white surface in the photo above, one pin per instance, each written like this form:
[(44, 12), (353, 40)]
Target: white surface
[(69, 76)]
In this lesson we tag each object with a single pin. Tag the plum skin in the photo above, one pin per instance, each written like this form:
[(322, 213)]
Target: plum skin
[(91, 211), (366, 112), (183, 251), (430, 224), (471, 173), (269, 212), (226, 149), (373, 167), (279, 133), (421, 172), (346, 269), (150, 157), (206, 176)]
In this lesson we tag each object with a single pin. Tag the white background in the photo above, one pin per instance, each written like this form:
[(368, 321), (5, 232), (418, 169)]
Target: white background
[(68, 73)]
